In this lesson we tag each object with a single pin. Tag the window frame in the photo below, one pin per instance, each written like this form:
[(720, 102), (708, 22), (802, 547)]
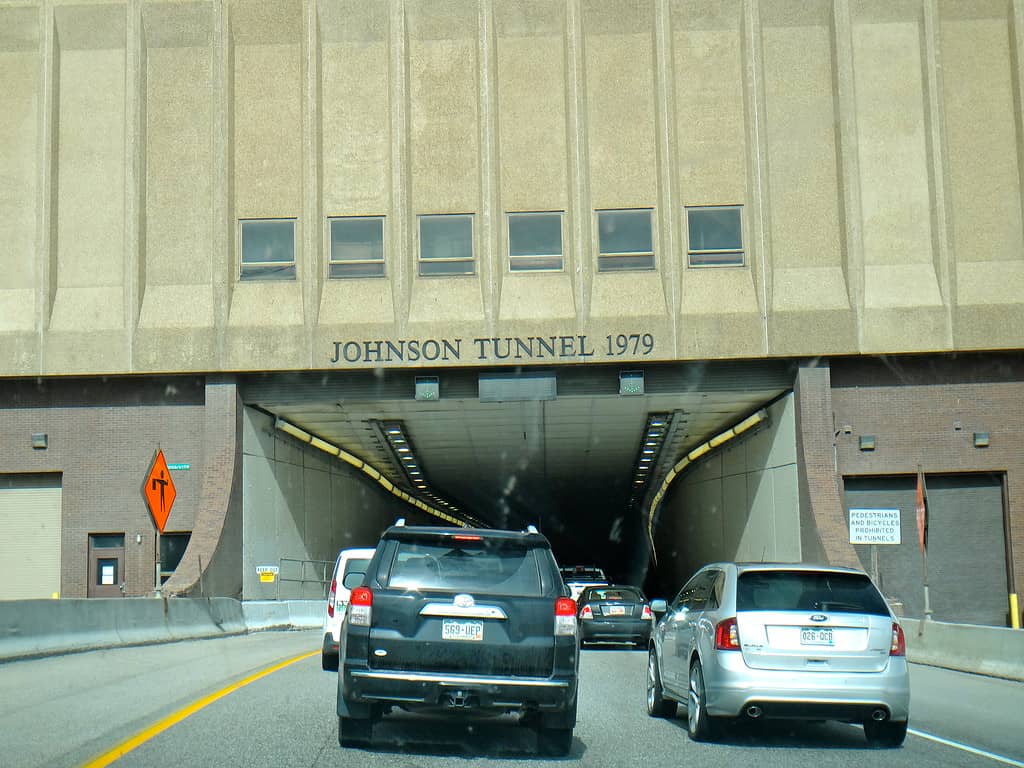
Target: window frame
[(712, 252), (259, 269), (420, 260), (535, 257), (611, 257), (381, 262)]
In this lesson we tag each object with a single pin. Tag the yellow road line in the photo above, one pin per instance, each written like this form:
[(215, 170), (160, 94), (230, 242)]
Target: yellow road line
[(160, 726)]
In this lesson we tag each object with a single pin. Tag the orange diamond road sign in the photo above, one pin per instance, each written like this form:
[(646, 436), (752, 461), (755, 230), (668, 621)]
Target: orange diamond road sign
[(159, 491)]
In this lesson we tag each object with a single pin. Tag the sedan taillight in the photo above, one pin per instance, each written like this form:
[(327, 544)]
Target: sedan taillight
[(360, 607), (898, 646), (565, 616), (647, 615), (727, 635), (587, 612)]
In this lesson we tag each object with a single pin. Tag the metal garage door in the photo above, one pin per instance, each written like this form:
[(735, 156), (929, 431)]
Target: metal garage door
[(966, 545), (30, 524)]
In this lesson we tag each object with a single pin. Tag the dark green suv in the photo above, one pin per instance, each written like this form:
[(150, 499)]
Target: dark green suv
[(456, 620)]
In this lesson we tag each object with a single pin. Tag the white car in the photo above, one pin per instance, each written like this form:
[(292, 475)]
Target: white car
[(349, 570)]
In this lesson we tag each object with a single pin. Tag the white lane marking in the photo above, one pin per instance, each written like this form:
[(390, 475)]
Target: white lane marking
[(965, 748)]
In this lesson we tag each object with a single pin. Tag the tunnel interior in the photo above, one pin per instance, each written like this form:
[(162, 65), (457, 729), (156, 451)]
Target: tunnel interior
[(558, 448)]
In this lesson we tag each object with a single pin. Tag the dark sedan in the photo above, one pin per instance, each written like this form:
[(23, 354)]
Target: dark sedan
[(614, 614)]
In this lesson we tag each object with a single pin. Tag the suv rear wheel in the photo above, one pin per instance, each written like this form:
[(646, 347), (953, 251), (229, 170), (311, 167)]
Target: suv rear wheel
[(886, 733), (354, 731), (699, 724), (657, 704)]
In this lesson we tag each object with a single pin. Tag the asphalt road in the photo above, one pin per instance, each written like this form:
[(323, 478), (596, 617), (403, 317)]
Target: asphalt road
[(64, 711)]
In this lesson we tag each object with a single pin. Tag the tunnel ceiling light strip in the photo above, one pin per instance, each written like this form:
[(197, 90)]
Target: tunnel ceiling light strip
[(721, 438), (402, 447), (655, 433), (302, 435)]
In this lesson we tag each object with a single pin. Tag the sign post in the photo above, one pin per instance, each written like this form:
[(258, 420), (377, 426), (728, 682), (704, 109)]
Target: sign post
[(159, 492)]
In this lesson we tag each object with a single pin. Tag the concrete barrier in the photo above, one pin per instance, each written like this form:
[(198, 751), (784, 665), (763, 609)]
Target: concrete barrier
[(284, 614), (43, 627), (30, 628), (995, 651)]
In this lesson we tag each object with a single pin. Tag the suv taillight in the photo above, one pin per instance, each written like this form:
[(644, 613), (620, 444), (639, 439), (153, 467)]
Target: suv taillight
[(360, 607), (565, 616), (331, 598), (898, 646), (587, 612), (727, 635)]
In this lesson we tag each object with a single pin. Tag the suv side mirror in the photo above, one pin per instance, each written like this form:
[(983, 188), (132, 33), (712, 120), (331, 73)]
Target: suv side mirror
[(659, 606)]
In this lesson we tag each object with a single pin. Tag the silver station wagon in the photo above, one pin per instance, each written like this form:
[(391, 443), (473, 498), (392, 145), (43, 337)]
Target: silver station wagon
[(793, 641)]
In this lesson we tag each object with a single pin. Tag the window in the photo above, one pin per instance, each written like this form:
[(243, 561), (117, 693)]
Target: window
[(357, 247), (535, 241), (625, 240), (715, 236), (268, 249), (172, 548), (446, 245)]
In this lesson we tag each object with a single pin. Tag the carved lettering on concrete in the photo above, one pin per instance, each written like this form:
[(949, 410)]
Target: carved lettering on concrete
[(490, 349)]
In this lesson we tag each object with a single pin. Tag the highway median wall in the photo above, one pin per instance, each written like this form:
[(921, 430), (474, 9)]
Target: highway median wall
[(994, 651), (32, 628)]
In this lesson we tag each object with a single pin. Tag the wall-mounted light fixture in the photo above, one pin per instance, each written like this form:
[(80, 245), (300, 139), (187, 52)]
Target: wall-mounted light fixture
[(428, 388), (39, 441), (138, 538), (981, 440), (867, 442), (631, 382)]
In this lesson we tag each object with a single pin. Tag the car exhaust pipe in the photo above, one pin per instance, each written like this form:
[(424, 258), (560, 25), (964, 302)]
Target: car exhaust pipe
[(753, 711), (879, 715)]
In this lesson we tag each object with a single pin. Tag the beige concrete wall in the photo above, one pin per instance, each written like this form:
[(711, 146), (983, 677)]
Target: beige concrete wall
[(741, 503), (874, 146)]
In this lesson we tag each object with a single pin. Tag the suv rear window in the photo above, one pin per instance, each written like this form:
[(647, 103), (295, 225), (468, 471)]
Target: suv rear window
[(481, 567), (808, 591)]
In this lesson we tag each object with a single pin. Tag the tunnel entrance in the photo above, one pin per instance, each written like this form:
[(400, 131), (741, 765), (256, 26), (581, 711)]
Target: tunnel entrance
[(559, 448)]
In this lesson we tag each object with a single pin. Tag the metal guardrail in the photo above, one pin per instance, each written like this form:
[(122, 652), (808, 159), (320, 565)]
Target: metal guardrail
[(307, 572)]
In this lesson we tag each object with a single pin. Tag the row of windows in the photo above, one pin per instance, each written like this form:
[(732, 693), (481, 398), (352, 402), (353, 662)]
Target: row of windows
[(625, 242)]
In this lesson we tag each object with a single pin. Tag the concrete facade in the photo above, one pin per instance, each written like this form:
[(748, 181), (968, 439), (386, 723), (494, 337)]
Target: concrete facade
[(874, 147)]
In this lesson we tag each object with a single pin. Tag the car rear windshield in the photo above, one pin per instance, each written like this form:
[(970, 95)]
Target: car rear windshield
[(612, 593), (482, 566), (808, 591)]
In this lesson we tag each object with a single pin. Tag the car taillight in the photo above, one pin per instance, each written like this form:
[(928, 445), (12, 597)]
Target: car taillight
[(727, 635), (646, 615), (331, 598), (587, 612), (565, 616), (898, 646), (360, 607)]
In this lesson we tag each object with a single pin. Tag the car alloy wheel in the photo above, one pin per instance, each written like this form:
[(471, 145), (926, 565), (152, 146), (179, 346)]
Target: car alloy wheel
[(657, 704), (699, 724)]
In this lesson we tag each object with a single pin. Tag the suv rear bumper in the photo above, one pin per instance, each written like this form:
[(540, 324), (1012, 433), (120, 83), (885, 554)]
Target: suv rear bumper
[(428, 690), (732, 687)]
